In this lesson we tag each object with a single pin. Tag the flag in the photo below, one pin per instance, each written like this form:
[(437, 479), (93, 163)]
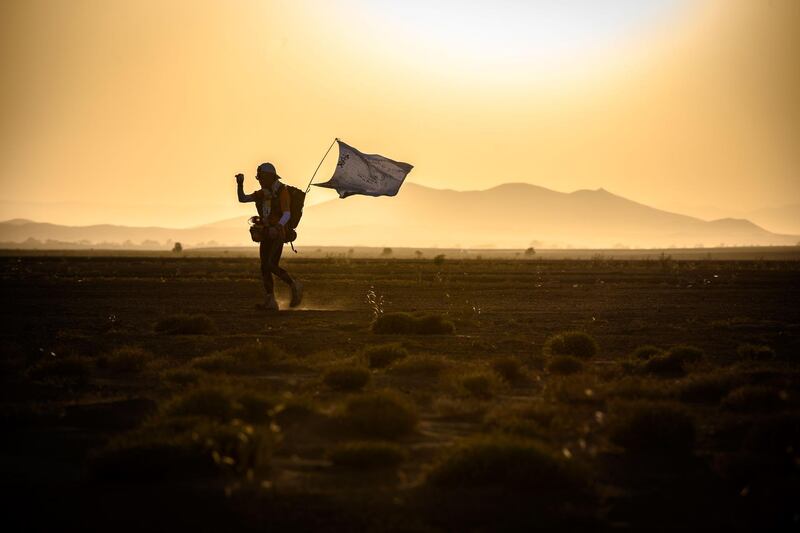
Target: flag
[(368, 174)]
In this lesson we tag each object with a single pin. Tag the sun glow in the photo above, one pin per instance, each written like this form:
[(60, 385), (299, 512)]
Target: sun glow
[(541, 37)]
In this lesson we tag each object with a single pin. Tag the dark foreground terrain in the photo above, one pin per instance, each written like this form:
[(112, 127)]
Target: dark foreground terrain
[(573, 395)]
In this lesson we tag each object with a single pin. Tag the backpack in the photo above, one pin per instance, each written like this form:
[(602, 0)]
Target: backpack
[(297, 199)]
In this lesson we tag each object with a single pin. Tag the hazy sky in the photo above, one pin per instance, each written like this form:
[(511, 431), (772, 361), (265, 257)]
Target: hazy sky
[(141, 112)]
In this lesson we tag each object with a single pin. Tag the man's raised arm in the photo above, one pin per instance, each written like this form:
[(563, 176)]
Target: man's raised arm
[(243, 198)]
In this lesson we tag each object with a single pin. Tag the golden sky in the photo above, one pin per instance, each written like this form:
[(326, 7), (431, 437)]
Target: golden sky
[(141, 112)]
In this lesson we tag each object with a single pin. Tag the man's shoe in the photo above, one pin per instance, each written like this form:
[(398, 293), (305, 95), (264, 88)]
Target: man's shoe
[(297, 294), (269, 304)]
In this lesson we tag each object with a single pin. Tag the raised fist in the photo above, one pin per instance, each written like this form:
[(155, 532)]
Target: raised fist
[(239, 178)]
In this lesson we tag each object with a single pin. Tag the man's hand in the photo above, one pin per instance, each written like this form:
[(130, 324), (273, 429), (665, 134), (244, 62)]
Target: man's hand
[(239, 178)]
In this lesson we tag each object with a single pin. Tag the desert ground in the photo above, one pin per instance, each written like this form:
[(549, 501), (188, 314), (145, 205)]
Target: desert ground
[(452, 394)]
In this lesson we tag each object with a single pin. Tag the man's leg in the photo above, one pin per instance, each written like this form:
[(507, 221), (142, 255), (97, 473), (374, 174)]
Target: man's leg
[(296, 286), (264, 251)]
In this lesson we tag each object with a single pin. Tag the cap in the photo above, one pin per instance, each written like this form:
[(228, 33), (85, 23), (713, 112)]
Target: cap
[(267, 168)]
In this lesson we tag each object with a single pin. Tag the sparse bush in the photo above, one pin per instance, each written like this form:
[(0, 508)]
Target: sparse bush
[(68, 368), (438, 260), (526, 421), (653, 428), (646, 352), (479, 385), (407, 323), (685, 354), (383, 355), (220, 402), (508, 368), (241, 359), (574, 343), (420, 366), (755, 352), (634, 388), (754, 398), (183, 324), (127, 360), (346, 378), (193, 448), (565, 365), (707, 388), (513, 465), (381, 415), (367, 455), (665, 366)]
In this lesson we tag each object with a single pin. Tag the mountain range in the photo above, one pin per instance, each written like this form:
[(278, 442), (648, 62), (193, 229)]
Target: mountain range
[(513, 215)]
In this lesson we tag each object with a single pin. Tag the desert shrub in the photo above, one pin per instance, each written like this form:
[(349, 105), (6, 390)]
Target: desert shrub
[(346, 378), (512, 464), (508, 368), (478, 384), (367, 455), (192, 448), (526, 421), (664, 366), (575, 388), (565, 365), (646, 352), (653, 428), (706, 388), (417, 323), (184, 324), (634, 388), (241, 359), (754, 398), (182, 376), (382, 415), (755, 352), (420, 365), (685, 354), (220, 402), (127, 360), (68, 368), (383, 355), (575, 343)]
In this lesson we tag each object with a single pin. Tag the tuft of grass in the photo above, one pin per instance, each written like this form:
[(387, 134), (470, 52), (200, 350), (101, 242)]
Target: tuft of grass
[(653, 428), (664, 366), (417, 323), (531, 420), (220, 402), (381, 415), (755, 352), (686, 354), (69, 368), (646, 352), (565, 365), (240, 359), (367, 455), (511, 464), (127, 360), (185, 324), (754, 398), (574, 343), (705, 388), (420, 365), (383, 355), (346, 378), (508, 368), (188, 449), (478, 385)]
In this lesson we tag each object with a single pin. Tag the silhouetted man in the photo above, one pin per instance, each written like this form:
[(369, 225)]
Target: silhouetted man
[(273, 205)]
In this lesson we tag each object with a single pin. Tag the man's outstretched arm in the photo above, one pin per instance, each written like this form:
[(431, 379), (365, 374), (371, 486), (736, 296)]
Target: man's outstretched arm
[(243, 198)]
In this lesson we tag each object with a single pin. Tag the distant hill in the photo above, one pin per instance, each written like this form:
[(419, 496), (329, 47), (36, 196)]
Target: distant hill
[(513, 215), (784, 219)]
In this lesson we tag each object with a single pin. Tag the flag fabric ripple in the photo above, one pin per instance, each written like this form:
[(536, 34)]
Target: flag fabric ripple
[(368, 174)]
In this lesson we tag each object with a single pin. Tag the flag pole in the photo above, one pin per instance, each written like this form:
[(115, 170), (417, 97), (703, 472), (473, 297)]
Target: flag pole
[(320, 164)]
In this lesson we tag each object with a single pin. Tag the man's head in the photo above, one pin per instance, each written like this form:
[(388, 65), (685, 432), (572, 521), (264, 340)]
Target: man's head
[(266, 174)]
